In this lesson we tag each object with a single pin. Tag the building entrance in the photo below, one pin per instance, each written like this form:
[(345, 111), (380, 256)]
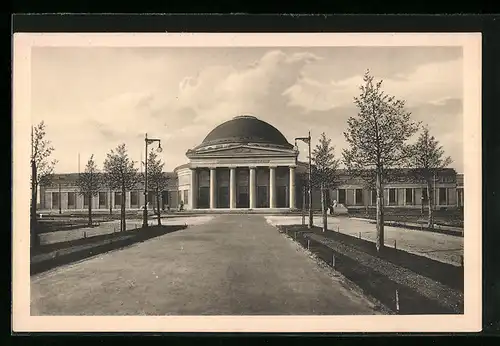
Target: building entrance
[(281, 194), (262, 197), (243, 199), (223, 197), (204, 198)]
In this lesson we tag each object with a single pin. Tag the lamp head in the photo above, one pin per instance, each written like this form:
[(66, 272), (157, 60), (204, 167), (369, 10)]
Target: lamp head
[(159, 149)]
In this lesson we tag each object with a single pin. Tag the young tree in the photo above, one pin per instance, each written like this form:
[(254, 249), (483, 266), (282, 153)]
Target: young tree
[(122, 174), (377, 139), (108, 182), (324, 173), (427, 159), (89, 183), (41, 170), (157, 180)]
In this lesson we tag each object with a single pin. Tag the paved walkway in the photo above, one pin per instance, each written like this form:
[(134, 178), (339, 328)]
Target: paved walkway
[(441, 247), (231, 265)]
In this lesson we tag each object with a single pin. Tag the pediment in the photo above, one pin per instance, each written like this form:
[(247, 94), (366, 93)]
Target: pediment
[(241, 151)]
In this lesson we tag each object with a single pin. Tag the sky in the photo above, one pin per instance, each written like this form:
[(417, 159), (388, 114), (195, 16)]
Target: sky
[(93, 99)]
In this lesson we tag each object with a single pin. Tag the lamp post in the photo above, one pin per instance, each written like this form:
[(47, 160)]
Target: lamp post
[(147, 141), (308, 141)]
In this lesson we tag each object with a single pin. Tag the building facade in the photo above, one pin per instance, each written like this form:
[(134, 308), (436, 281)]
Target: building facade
[(246, 163)]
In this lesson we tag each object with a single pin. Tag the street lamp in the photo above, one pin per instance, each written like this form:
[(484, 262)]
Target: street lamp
[(308, 141), (147, 141)]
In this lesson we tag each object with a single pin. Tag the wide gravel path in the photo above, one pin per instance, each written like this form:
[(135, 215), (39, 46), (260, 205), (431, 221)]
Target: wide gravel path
[(230, 265)]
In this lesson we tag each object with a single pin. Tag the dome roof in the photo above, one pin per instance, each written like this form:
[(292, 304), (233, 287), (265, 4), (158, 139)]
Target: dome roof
[(245, 129)]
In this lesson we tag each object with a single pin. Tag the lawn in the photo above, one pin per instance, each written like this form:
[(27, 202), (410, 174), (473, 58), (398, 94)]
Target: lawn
[(424, 286), (53, 255), (446, 217)]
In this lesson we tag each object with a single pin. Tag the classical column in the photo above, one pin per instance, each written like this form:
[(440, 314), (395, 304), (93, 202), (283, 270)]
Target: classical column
[(252, 188), (292, 187), (193, 190), (213, 188), (272, 187), (232, 188)]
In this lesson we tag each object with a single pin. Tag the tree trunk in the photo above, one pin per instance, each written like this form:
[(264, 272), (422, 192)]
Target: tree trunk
[(34, 191), (430, 202), (90, 209), (124, 199), (158, 210), (323, 209), (380, 214)]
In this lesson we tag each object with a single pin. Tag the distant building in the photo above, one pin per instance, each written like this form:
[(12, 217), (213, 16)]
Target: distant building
[(246, 163)]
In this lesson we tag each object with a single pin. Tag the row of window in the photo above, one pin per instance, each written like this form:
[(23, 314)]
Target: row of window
[(103, 199), (393, 197)]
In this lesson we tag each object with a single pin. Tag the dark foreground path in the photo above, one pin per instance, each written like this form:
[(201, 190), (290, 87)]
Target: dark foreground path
[(232, 265)]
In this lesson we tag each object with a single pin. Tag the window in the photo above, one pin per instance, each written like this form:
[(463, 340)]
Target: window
[(134, 198), (150, 197), (180, 197), (164, 197), (118, 198), (85, 200), (103, 199), (341, 196), (359, 196), (442, 196), (409, 196), (392, 196), (424, 195), (186, 196), (71, 200), (374, 196), (55, 199)]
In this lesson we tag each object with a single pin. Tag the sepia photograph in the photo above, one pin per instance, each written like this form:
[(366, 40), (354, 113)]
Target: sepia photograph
[(247, 182)]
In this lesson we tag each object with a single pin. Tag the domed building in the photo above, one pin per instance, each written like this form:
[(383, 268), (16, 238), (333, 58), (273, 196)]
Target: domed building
[(247, 164), (244, 163)]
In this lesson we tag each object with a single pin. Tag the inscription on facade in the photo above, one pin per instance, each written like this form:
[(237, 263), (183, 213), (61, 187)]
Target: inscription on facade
[(246, 161)]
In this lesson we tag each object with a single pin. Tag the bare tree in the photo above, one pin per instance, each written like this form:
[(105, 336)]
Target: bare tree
[(427, 160), (89, 182), (377, 139), (324, 172), (157, 180), (121, 174), (41, 170)]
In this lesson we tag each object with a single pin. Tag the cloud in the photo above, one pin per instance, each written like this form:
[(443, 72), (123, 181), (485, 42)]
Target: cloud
[(95, 99), (431, 81)]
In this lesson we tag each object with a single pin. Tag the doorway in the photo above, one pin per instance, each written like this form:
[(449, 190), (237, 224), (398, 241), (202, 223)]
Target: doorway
[(243, 200), (281, 194), (223, 197), (203, 198), (262, 197)]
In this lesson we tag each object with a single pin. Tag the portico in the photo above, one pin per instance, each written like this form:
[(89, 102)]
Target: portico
[(240, 187)]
